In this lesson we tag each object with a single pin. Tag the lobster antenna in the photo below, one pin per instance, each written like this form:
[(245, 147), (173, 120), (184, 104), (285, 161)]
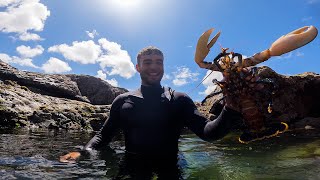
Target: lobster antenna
[(200, 83), (220, 45)]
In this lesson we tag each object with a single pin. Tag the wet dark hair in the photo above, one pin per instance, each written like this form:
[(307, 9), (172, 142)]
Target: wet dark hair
[(148, 51)]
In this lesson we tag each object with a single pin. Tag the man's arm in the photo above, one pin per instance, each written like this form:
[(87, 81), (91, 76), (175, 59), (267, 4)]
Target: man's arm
[(204, 128), (221, 126), (109, 128), (104, 136)]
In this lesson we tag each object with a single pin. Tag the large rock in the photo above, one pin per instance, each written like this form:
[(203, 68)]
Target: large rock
[(53, 101), (77, 87), (96, 90), (296, 100)]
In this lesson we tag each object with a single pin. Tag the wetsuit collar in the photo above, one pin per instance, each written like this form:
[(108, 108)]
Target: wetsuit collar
[(151, 90), (148, 89)]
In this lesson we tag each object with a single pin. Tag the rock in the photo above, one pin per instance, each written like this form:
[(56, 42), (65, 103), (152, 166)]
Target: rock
[(55, 101), (53, 85), (76, 87), (96, 90)]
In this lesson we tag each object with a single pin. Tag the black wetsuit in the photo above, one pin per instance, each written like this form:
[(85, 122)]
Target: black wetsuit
[(152, 118)]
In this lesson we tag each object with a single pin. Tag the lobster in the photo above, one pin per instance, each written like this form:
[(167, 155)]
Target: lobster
[(236, 71)]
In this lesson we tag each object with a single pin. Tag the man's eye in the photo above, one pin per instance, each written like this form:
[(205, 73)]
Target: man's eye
[(159, 62)]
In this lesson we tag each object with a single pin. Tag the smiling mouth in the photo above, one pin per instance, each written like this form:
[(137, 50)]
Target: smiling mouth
[(153, 74)]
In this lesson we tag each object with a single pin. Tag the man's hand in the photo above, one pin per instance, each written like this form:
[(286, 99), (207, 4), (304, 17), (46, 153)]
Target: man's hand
[(251, 78), (71, 157)]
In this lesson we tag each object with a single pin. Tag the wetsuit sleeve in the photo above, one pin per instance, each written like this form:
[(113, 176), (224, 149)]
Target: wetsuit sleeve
[(109, 128), (204, 128), (220, 126)]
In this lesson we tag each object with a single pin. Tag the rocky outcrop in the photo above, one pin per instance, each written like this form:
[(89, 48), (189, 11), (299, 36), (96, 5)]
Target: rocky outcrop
[(76, 87), (97, 91), (53, 101), (296, 100)]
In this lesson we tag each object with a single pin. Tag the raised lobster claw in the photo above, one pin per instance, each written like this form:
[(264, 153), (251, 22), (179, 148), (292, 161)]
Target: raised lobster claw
[(284, 44), (293, 40), (203, 48)]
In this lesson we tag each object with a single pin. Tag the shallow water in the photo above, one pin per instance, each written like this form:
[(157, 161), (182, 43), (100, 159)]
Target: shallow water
[(34, 155)]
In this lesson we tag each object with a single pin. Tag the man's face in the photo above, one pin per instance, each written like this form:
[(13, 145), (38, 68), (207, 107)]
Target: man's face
[(150, 69)]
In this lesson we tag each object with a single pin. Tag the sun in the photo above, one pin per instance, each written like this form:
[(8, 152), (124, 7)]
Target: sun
[(129, 14), (126, 4)]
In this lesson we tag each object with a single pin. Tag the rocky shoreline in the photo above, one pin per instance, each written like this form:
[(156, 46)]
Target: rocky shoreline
[(29, 100), (82, 102)]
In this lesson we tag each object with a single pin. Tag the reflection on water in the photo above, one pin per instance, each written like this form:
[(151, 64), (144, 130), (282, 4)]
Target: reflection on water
[(34, 155)]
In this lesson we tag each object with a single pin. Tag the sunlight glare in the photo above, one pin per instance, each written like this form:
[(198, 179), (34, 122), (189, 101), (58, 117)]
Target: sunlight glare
[(126, 4)]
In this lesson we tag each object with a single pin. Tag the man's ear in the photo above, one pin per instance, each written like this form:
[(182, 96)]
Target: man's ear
[(138, 68)]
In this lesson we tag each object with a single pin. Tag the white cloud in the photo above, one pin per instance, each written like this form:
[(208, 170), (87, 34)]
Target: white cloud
[(291, 55), (313, 1), (103, 76), (184, 76), (166, 76), (113, 82), (299, 54), (209, 85), (28, 52), (29, 37), (4, 3), (21, 16), (111, 58), (5, 58), (17, 60), (115, 58), (285, 56), (179, 82), (306, 19), (92, 34), (85, 52), (54, 65)]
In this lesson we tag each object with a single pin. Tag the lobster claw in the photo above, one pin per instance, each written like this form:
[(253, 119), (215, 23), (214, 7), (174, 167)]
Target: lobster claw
[(203, 48), (284, 44), (293, 40)]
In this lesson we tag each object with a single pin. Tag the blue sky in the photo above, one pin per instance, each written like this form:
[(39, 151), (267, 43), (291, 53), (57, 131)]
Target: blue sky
[(102, 37)]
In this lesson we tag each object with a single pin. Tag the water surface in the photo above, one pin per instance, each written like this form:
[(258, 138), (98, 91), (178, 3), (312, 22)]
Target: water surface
[(33, 154)]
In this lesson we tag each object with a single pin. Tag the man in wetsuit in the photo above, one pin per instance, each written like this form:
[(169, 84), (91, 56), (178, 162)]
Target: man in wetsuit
[(153, 116)]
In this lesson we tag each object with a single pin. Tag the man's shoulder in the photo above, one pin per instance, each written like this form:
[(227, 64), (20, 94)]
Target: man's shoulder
[(180, 99), (135, 93), (177, 95), (124, 97)]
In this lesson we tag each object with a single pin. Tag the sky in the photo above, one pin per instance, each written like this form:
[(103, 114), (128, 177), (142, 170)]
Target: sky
[(102, 37)]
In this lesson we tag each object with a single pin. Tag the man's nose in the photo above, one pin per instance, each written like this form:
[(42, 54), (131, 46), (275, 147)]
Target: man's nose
[(154, 66)]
